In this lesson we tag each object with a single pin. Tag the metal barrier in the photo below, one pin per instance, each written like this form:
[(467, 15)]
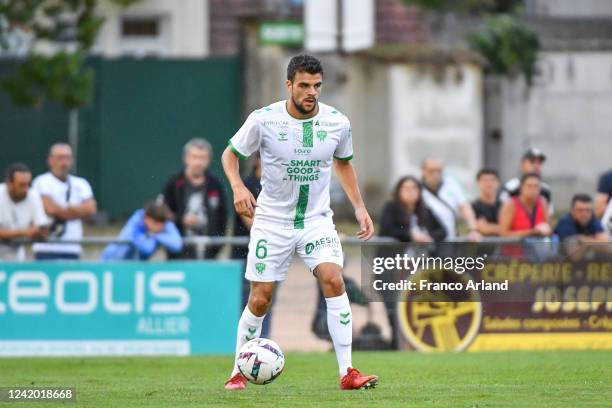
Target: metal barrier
[(201, 243)]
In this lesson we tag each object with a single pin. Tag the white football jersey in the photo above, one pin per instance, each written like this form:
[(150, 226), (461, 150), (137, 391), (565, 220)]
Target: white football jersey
[(296, 159)]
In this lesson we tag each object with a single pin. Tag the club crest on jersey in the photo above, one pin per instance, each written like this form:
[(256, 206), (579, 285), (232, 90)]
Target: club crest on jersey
[(322, 135)]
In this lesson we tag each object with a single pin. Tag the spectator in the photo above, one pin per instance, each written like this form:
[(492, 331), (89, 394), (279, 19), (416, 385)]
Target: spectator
[(527, 214), (406, 218), (21, 212), (486, 207), (67, 199), (604, 192), (196, 198), (147, 229), (444, 197), (531, 162), (581, 223)]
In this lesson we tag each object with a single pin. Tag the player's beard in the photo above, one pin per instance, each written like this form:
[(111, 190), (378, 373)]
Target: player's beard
[(300, 108)]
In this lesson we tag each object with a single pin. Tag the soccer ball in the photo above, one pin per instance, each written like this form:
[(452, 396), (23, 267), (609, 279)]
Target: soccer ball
[(261, 361)]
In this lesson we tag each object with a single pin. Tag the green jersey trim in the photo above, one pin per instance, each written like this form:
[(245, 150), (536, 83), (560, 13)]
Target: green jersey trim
[(300, 208), (236, 152), (344, 158)]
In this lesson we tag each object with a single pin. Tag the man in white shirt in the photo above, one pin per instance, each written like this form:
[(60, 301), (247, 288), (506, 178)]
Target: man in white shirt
[(445, 198), (21, 213), (67, 199)]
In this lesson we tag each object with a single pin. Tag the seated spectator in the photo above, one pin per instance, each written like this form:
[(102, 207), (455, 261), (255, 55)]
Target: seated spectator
[(527, 214), (68, 200), (604, 192), (445, 198), (196, 198), (406, 217), (531, 162), (580, 223), (147, 229), (21, 212), (486, 207)]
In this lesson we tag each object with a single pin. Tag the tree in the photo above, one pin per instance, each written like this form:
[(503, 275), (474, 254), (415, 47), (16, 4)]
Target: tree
[(509, 46), (471, 6), (68, 28)]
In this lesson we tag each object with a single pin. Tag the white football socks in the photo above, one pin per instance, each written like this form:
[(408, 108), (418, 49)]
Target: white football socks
[(249, 328), (340, 325)]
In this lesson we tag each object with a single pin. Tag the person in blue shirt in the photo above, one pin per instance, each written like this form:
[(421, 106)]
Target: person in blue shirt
[(147, 229), (580, 223)]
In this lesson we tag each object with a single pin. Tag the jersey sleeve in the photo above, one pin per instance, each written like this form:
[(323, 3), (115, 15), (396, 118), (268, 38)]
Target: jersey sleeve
[(85, 190), (247, 139), (44, 189), (344, 150)]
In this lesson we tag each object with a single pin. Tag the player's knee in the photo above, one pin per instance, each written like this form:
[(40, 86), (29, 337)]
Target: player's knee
[(334, 284), (258, 303)]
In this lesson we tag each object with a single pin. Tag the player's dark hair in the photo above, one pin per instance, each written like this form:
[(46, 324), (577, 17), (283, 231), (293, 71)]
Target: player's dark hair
[(486, 171), (581, 197), (419, 209), (9, 174), (158, 210), (530, 175), (303, 63)]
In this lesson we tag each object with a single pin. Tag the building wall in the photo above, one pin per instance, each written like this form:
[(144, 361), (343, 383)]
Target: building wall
[(566, 114), (439, 114), (570, 8), (184, 29)]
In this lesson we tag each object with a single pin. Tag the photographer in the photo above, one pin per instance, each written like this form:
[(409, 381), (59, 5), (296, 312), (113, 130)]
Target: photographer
[(67, 199)]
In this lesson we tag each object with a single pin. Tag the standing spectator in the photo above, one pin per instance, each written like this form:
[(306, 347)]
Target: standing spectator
[(196, 198), (531, 162), (444, 197), (525, 215), (406, 218), (604, 192), (21, 212), (487, 206), (67, 199), (581, 223), (147, 229)]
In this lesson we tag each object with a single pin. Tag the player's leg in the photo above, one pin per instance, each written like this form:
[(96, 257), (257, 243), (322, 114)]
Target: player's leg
[(270, 252), (319, 247), (340, 325)]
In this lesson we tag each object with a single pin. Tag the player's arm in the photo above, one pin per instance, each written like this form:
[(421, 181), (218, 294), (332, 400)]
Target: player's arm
[(244, 202), (348, 179)]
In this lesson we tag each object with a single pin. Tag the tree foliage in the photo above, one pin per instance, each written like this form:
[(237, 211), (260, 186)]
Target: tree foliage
[(69, 28), (509, 46)]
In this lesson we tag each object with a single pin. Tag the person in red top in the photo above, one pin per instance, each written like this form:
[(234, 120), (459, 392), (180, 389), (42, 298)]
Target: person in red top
[(527, 214)]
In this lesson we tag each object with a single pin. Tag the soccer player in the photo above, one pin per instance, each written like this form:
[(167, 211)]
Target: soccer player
[(299, 140)]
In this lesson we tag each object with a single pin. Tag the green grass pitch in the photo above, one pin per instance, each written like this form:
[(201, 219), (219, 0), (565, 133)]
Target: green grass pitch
[(512, 379)]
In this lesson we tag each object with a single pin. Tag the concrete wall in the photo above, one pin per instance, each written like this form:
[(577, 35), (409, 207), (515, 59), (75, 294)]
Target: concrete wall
[(566, 114), (436, 113), (184, 29), (570, 8)]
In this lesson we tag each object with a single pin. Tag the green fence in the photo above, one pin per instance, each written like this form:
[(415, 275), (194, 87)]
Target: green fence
[(131, 135)]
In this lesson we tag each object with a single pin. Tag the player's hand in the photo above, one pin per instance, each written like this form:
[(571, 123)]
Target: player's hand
[(365, 223), (244, 202)]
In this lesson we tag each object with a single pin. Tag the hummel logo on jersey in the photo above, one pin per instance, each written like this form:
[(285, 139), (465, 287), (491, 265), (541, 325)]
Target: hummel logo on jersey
[(260, 267), (321, 135), (282, 137)]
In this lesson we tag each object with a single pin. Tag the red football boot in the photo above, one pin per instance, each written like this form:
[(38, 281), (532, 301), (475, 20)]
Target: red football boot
[(237, 382), (354, 380)]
